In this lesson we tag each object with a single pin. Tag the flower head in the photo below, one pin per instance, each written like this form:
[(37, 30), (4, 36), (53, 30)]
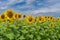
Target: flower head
[(9, 14), (2, 17), (17, 15), (24, 15), (57, 19), (30, 19), (40, 19)]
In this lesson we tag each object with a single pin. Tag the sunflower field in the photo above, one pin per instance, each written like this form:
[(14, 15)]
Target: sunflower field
[(17, 26)]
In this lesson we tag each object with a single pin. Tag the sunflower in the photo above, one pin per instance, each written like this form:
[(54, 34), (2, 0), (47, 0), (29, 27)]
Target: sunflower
[(9, 14), (52, 24), (17, 15), (40, 19), (24, 15), (50, 18), (46, 17), (2, 17), (57, 19), (30, 19)]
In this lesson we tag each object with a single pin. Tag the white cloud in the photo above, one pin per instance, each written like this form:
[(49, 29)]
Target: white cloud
[(15, 1), (54, 8), (29, 1), (44, 10), (4, 5), (57, 5)]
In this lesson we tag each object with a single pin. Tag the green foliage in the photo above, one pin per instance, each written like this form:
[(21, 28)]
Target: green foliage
[(26, 31)]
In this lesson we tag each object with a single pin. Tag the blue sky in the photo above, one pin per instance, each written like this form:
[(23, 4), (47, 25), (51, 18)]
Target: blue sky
[(35, 7)]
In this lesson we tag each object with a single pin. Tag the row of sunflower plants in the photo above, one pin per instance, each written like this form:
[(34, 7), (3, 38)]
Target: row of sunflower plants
[(17, 26)]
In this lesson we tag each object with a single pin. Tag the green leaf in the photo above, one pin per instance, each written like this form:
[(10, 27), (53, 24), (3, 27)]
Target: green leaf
[(10, 35), (21, 37)]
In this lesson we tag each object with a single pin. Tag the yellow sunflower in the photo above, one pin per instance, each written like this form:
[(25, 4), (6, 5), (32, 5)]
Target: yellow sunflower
[(17, 15), (40, 19), (24, 15), (9, 14), (2, 17), (57, 19), (50, 18), (46, 17), (52, 24), (30, 19)]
